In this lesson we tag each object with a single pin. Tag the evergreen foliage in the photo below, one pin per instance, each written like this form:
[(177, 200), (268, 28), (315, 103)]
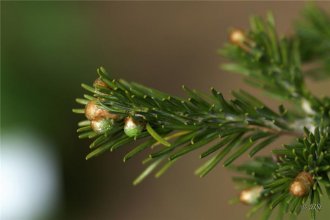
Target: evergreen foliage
[(170, 127)]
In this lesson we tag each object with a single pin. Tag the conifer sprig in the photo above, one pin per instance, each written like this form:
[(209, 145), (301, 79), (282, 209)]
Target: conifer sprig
[(169, 127), (179, 126), (278, 176), (313, 33)]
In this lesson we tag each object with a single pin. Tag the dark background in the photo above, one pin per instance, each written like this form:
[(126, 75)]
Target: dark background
[(49, 48)]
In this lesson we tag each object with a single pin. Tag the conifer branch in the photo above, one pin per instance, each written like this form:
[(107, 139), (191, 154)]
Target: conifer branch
[(169, 127), (309, 157), (313, 32)]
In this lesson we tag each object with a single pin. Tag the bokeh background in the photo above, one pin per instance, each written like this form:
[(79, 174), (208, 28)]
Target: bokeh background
[(49, 48)]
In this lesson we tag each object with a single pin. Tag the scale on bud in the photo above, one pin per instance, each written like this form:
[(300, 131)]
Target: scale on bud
[(301, 184), (133, 127), (101, 125), (93, 111), (98, 83), (251, 196)]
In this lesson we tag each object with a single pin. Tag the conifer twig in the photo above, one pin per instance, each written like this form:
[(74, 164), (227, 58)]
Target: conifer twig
[(170, 127)]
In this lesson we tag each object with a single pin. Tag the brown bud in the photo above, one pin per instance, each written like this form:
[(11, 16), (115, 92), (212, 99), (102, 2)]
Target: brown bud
[(99, 83), (237, 37), (251, 196), (301, 184), (93, 111)]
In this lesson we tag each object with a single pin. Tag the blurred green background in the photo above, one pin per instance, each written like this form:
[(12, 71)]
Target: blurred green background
[(49, 48)]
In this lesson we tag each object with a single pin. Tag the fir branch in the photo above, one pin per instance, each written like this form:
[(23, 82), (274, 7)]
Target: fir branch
[(277, 175), (313, 33), (169, 127), (179, 126), (268, 61)]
